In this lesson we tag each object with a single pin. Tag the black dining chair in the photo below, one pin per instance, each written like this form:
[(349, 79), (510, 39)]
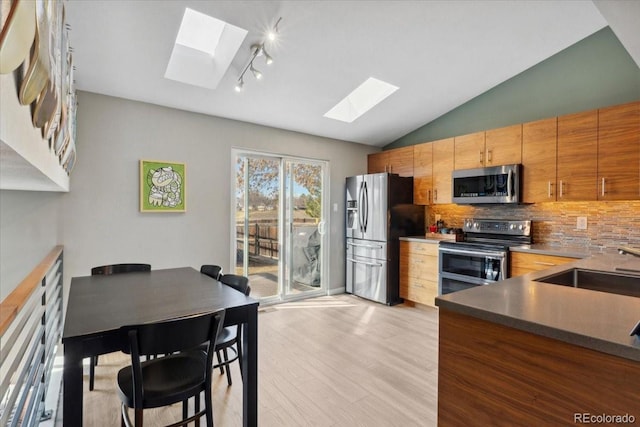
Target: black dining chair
[(106, 270), (181, 374), (213, 271), (119, 268), (231, 335)]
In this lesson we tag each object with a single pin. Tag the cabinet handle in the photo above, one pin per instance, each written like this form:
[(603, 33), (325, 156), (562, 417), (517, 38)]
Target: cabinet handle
[(435, 194), (549, 189), (489, 156), (561, 189), (603, 191), (481, 157), (550, 264), (429, 196)]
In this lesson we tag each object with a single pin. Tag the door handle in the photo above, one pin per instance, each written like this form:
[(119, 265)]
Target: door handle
[(321, 228), (364, 246), (366, 206), (371, 264), (361, 210), (510, 184)]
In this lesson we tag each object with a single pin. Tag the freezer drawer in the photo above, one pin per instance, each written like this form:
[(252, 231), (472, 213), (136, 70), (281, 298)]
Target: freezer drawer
[(367, 278)]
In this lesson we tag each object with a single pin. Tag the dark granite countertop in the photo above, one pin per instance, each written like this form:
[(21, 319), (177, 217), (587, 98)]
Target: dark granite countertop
[(591, 319)]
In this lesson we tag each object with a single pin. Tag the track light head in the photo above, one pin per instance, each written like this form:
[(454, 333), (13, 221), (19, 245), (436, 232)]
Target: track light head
[(256, 73), (267, 58), (239, 85)]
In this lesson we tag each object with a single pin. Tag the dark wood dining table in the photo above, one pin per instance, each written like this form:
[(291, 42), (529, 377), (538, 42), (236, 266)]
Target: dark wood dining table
[(99, 305)]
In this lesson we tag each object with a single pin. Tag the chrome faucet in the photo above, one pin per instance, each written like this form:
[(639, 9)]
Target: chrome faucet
[(629, 250)]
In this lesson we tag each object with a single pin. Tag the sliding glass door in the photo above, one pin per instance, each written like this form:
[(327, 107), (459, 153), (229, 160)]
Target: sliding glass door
[(279, 212)]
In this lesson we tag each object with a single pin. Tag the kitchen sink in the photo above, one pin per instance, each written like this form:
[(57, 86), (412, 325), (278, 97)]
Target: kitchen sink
[(615, 283)]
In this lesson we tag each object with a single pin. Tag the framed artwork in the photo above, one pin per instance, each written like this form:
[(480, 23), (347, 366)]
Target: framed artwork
[(162, 186)]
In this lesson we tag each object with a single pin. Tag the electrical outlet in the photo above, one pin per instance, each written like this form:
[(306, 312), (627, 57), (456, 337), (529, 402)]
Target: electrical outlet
[(581, 223), (335, 207)]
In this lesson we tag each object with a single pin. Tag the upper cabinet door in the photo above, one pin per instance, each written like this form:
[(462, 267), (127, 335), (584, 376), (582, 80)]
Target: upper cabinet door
[(401, 161), (422, 174), (539, 146), (443, 155), (469, 151), (378, 162), (503, 146), (619, 152), (578, 156)]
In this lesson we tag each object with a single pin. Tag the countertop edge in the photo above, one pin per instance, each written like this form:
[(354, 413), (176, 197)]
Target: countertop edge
[(592, 343), (550, 250)]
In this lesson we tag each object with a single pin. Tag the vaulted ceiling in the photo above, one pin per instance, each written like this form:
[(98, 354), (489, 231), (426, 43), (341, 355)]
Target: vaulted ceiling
[(439, 53)]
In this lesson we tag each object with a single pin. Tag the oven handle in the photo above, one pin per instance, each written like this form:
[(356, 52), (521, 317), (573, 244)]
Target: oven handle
[(372, 264), (473, 253)]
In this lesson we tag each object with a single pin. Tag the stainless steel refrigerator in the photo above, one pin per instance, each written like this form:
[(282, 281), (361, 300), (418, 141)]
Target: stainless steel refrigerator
[(380, 209)]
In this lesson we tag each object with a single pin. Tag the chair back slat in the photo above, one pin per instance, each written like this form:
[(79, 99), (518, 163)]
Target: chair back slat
[(213, 271), (107, 270), (237, 282), (171, 335)]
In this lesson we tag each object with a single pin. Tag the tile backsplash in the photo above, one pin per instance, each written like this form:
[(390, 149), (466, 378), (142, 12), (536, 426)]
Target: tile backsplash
[(609, 224)]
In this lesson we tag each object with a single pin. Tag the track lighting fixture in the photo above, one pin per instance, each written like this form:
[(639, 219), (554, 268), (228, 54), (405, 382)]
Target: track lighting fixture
[(256, 51)]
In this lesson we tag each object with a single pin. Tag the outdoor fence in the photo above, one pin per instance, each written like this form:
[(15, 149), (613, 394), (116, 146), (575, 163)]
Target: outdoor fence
[(263, 237)]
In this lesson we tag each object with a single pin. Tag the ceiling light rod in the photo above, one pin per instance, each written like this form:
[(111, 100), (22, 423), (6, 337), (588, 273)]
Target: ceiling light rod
[(258, 50)]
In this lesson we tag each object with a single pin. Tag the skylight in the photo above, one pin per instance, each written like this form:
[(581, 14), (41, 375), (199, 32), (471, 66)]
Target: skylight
[(203, 50), (362, 99)]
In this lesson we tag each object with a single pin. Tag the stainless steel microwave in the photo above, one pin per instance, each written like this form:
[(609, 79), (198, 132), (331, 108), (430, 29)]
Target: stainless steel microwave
[(496, 184)]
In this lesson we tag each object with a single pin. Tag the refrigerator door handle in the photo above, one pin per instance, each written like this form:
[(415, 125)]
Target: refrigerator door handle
[(372, 264), (366, 206), (364, 246), (361, 208)]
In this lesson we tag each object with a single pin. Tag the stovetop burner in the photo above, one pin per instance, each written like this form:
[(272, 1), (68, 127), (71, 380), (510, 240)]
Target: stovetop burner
[(494, 233)]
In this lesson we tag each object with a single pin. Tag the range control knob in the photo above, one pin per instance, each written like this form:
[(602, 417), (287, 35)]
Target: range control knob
[(476, 225), (512, 226), (521, 227)]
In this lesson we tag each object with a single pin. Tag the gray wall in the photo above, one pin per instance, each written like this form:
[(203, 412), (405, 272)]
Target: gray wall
[(30, 226), (102, 222), (593, 73)]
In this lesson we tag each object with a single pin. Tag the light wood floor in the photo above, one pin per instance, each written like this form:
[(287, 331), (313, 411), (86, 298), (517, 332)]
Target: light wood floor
[(330, 361)]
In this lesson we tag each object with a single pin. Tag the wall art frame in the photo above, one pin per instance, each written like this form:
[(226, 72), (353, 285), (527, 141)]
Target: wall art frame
[(162, 186)]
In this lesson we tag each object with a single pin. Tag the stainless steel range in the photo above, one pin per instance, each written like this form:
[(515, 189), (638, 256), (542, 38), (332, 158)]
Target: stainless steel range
[(482, 258)]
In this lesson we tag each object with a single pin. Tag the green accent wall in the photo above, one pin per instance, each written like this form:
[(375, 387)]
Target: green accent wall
[(595, 72)]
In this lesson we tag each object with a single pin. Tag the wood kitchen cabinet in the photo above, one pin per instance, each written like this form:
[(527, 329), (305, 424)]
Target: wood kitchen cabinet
[(491, 374), (495, 147), (469, 151), (522, 263), (423, 174), (443, 163), (577, 167), (419, 271), (539, 146), (398, 160), (503, 146), (378, 162), (619, 152)]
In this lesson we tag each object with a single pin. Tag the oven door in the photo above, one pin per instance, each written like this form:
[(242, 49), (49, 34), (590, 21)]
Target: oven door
[(465, 268)]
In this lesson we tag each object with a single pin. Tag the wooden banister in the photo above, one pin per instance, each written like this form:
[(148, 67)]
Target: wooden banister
[(14, 302)]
